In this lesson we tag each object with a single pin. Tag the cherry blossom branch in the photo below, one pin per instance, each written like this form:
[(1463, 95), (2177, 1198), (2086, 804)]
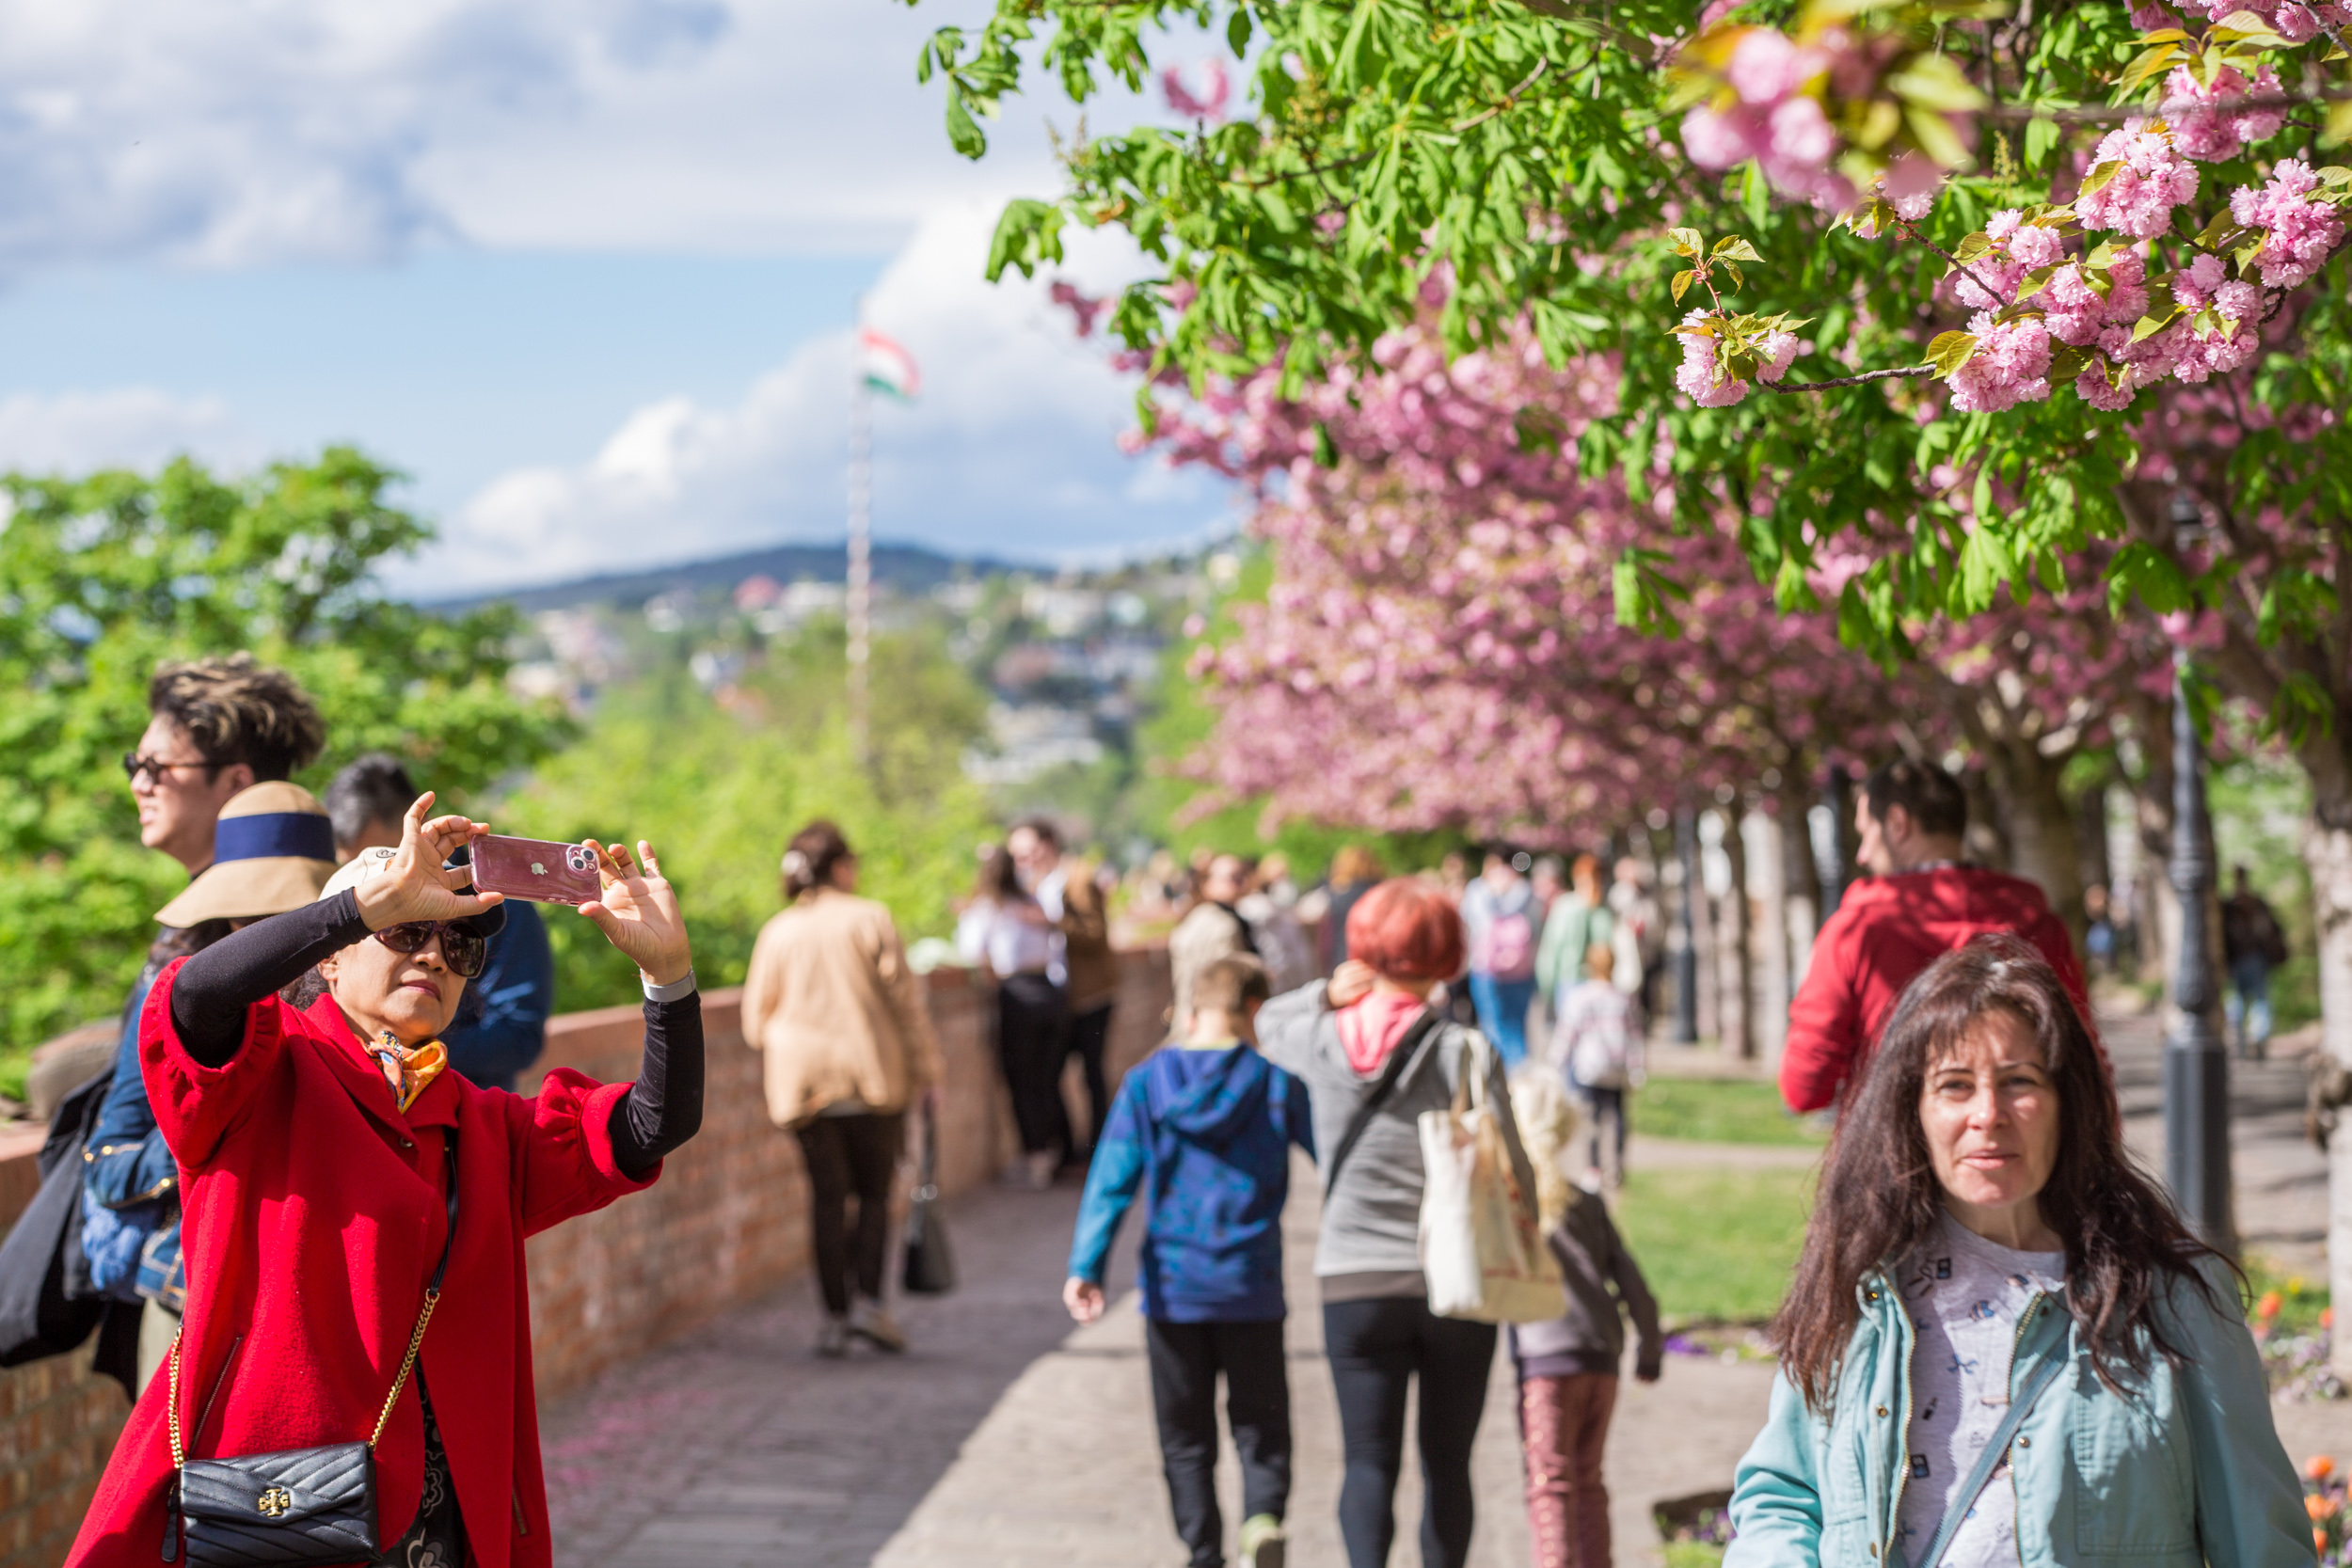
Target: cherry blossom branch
[(1845, 380), (2118, 114), (1910, 231)]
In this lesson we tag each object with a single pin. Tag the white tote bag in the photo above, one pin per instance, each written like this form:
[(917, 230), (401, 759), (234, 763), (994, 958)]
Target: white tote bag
[(1480, 1247)]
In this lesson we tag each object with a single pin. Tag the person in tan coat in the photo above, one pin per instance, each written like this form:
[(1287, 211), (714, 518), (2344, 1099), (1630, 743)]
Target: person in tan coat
[(831, 1001)]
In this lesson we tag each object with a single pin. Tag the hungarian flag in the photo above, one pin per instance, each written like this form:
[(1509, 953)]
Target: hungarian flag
[(886, 366)]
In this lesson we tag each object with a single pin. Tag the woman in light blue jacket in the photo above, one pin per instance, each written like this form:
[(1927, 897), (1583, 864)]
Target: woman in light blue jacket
[(2002, 1345)]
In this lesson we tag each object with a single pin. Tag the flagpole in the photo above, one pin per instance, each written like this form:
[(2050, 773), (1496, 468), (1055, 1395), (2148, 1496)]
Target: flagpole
[(861, 541)]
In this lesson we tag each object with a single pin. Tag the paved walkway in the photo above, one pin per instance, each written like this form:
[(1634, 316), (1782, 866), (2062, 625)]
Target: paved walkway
[(1006, 1437)]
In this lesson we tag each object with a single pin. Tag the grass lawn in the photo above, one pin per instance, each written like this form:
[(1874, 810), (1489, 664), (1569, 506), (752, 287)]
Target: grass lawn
[(1724, 1110), (1716, 1245)]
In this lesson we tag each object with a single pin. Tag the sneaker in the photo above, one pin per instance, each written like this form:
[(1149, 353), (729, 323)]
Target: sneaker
[(832, 1341), (870, 1321), (1263, 1544)]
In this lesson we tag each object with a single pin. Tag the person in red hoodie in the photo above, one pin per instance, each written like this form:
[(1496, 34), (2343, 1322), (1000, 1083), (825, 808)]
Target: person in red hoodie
[(1918, 903)]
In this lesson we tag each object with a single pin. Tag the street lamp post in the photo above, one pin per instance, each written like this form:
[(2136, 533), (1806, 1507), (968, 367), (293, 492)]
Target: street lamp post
[(2196, 1066), (1686, 930)]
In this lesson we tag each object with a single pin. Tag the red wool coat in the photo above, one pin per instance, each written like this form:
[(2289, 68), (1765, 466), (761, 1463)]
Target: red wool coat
[(1886, 930), (313, 1215)]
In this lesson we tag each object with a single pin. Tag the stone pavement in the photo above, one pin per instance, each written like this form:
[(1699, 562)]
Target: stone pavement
[(1009, 1437)]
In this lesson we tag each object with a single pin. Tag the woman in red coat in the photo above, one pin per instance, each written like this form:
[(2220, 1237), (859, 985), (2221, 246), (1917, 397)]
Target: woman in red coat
[(311, 1139)]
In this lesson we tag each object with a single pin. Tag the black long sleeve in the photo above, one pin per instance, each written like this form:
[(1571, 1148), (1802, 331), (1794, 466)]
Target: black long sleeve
[(664, 1107), (211, 993)]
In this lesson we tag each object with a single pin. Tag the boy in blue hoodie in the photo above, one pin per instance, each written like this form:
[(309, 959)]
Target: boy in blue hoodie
[(1205, 1127)]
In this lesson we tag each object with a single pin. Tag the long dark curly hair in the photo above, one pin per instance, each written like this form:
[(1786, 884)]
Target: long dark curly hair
[(2126, 1246)]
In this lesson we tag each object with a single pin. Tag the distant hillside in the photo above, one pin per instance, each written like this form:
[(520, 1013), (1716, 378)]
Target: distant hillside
[(908, 568)]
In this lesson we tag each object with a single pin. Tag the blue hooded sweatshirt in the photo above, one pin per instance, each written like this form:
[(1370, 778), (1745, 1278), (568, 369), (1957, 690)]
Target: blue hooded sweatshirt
[(1207, 1133)]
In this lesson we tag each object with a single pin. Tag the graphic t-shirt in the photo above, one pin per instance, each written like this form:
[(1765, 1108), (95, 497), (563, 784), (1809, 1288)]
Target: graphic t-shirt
[(1965, 1295)]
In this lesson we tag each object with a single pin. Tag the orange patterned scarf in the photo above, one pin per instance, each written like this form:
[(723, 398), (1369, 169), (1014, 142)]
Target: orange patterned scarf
[(408, 1069)]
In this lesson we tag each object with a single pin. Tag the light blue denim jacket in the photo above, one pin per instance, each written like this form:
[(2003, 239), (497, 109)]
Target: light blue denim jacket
[(2184, 1469)]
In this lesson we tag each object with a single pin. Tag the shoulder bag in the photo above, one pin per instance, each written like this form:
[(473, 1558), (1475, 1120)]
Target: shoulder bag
[(1482, 1249), (296, 1508), (930, 1263), (2020, 1407)]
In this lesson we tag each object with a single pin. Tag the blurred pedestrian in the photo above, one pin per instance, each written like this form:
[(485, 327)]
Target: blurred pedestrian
[(2252, 944), (1454, 875), (218, 730), (1279, 942), (1213, 929), (830, 1002), (1918, 903), (1083, 964), (501, 1023), (1355, 870), (1991, 1284), (1577, 921), (1504, 925), (2099, 934), (1640, 933), (1006, 931), (1203, 1128), (1569, 1367), (1596, 1048), (1374, 1056)]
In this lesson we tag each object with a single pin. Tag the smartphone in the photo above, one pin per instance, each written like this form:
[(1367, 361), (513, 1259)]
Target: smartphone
[(537, 869)]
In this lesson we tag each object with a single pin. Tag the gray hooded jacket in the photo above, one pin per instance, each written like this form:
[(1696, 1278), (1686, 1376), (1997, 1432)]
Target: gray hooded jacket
[(1372, 1220)]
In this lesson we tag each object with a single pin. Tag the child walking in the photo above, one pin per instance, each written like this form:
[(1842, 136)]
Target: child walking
[(1205, 1129), (1598, 1043), (1568, 1366)]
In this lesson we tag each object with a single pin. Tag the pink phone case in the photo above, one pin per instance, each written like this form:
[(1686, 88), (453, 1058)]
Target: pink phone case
[(537, 869)]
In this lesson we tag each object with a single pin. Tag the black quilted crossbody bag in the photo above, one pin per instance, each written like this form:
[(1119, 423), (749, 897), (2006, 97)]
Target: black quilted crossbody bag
[(298, 1507)]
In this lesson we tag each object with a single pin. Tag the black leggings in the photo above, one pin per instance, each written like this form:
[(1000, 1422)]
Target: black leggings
[(850, 1157), (1031, 1027), (1185, 1359), (1088, 1037), (1375, 1348)]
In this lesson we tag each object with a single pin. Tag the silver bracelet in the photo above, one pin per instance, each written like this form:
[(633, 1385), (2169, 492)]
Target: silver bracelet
[(676, 990)]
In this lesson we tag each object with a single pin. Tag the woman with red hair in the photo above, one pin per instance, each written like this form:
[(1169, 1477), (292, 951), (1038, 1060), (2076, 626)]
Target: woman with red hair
[(1373, 1055)]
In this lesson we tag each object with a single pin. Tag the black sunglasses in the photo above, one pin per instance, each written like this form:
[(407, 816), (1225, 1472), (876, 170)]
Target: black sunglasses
[(464, 952), (154, 767)]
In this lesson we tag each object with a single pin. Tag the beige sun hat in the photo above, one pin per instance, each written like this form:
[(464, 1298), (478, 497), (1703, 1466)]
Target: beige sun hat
[(273, 850)]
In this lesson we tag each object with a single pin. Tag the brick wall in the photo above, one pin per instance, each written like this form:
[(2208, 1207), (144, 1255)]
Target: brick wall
[(726, 1223)]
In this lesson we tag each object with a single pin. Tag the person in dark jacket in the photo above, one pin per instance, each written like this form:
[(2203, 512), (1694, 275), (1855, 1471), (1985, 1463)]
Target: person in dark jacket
[(1207, 1127), (2252, 944), (1568, 1366), (502, 1026)]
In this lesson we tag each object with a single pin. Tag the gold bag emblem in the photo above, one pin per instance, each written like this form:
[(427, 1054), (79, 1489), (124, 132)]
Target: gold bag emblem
[(275, 1501)]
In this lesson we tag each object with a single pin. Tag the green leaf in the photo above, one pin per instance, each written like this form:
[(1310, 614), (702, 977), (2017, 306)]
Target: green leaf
[(962, 133), (1737, 249), (1949, 351), (1029, 234), (1237, 32), (2097, 178), (2042, 135), (1985, 565), (2142, 570), (1688, 242), (1756, 196), (1934, 84), (1682, 282), (1936, 137)]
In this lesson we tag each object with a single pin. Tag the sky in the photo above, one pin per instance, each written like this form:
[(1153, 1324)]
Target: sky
[(584, 270)]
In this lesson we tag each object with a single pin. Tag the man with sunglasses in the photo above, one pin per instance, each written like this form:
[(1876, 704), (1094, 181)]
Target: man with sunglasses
[(215, 728), (501, 1025)]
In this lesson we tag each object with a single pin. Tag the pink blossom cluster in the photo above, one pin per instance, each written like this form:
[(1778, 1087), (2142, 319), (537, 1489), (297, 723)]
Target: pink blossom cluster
[(2082, 317), (1774, 120), (2018, 247), (2139, 198), (2010, 365), (2295, 20), (2205, 126), (1705, 385), (2205, 353), (2300, 231)]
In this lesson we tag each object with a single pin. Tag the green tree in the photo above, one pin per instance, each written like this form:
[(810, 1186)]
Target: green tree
[(717, 786), (105, 576)]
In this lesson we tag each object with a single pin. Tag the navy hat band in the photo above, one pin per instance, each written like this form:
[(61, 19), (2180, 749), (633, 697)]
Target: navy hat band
[(268, 835)]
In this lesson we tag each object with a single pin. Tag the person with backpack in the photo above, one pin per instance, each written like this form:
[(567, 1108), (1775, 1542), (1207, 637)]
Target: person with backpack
[(1203, 1128), (1596, 1045), (2252, 944), (1568, 1366), (1374, 1056), (1504, 925)]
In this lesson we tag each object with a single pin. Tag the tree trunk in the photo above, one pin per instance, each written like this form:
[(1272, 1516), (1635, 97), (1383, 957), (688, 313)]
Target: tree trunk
[(1772, 977), (1734, 962), (1800, 882), (2155, 908), (2040, 825), (2328, 850), (2090, 838)]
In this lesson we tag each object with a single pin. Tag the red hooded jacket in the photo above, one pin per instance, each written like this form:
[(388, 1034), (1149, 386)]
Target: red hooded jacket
[(1885, 931), (313, 1215)]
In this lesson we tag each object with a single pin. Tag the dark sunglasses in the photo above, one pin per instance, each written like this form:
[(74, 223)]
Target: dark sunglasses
[(464, 952), (133, 765)]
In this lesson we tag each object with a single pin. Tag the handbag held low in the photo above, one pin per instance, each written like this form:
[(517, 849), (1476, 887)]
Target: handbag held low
[(1482, 1247), (296, 1508)]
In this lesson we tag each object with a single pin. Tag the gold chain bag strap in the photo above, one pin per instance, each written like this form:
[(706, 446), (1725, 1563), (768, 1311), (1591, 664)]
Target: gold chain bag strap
[(296, 1508)]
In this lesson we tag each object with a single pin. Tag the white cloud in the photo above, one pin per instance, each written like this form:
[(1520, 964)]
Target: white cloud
[(1011, 448), (135, 427)]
